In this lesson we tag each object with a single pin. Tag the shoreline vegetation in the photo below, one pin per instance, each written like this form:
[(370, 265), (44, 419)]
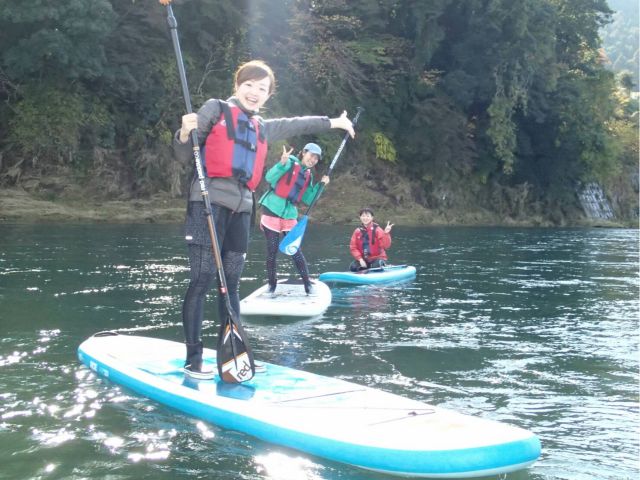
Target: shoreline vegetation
[(18, 206), (474, 116)]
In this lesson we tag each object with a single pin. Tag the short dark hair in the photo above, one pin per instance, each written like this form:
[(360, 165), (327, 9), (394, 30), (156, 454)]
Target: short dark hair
[(366, 209)]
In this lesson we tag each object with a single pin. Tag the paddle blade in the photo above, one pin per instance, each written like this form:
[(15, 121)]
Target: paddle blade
[(291, 242), (234, 356)]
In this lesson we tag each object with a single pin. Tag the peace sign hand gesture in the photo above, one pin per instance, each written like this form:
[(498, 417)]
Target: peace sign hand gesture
[(285, 155), (387, 229)]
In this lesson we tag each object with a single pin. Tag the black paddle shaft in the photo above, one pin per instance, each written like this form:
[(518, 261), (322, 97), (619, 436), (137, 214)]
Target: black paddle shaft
[(173, 27), (359, 110), (231, 323)]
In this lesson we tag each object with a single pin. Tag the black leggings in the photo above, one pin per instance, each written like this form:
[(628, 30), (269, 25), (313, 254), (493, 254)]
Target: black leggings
[(233, 235), (202, 274), (273, 240)]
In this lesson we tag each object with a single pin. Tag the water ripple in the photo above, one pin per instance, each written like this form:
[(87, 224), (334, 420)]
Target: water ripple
[(538, 328)]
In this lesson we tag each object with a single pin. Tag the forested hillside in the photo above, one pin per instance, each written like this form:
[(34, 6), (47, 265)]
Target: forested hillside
[(500, 105), (621, 38)]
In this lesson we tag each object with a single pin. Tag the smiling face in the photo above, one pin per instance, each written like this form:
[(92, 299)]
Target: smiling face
[(366, 218), (309, 159), (252, 94), (254, 84)]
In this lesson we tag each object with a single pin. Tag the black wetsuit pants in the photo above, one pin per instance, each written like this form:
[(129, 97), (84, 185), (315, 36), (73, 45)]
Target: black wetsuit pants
[(233, 237)]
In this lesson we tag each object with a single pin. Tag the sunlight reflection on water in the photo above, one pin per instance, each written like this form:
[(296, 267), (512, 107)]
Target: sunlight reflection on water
[(535, 328), (280, 466)]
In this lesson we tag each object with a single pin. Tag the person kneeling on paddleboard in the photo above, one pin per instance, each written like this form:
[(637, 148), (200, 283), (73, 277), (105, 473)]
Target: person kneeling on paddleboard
[(369, 243), (291, 181)]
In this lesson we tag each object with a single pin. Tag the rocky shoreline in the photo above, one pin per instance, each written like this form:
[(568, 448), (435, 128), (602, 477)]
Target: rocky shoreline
[(19, 206)]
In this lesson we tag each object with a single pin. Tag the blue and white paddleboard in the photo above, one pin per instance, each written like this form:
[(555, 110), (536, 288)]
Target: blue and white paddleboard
[(289, 300), (388, 274), (323, 416)]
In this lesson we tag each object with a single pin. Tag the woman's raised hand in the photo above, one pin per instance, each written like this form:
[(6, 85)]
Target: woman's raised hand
[(285, 155), (344, 123)]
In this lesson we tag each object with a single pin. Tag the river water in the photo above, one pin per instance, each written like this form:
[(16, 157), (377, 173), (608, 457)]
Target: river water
[(534, 327)]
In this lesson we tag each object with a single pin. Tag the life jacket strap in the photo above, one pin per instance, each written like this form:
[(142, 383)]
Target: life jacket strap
[(228, 119), (248, 145), (365, 239), (231, 129)]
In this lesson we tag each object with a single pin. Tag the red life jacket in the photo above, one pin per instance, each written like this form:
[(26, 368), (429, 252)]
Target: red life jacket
[(368, 246), (236, 147), (293, 184)]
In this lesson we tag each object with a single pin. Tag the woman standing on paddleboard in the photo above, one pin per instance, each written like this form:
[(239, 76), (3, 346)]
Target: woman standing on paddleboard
[(233, 140), (291, 181)]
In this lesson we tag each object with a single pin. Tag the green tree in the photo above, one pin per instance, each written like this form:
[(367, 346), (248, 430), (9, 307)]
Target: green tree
[(54, 41), (569, 138), (470, 98)]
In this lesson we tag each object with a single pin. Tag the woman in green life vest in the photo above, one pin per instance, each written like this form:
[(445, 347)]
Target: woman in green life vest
[(291, 181)]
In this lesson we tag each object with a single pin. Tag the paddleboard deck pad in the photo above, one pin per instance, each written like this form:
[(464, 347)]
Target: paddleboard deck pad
[(388, 274), (323, 416), (289, 300)]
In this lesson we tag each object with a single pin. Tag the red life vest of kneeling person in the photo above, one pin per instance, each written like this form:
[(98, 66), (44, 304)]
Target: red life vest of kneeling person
[(368, 246), (293, 184), (236, 147)]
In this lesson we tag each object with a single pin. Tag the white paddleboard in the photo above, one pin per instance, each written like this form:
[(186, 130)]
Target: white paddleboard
[(323, 416), (289, 300)]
